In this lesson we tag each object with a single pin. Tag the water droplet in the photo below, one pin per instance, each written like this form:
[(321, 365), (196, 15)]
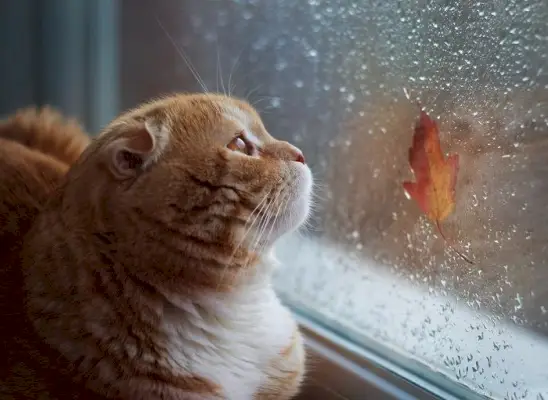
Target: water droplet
[(275, 102), (280, 65)]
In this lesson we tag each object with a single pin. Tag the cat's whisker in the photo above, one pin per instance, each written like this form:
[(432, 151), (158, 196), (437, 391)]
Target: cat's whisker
[(256, 224), (267, 219), (256, 235), (269, 107), (258, 210), (262, 99), (253, 217), (281, 210), (260, 244), (307, 227), (232, 70), (220, 72), (217, 72), (184, 56), (262, 224), (255, 89), (317, 198), (265, 238)]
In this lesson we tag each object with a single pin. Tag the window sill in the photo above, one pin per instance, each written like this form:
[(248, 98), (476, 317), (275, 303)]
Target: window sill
[(338, 369)]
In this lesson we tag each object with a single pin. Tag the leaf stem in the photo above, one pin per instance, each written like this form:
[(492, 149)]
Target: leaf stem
[(458, 252)]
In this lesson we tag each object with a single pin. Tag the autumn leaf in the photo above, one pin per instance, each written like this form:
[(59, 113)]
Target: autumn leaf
[(434, 188), (435, 175)]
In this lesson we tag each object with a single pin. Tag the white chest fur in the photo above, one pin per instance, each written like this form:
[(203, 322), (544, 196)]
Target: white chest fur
[(228, 339)]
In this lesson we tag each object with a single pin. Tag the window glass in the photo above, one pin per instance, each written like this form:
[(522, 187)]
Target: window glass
[(341, 80)]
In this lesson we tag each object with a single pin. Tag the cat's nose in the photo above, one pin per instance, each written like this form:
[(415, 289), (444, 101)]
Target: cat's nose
[(300, 157), (284, 151)]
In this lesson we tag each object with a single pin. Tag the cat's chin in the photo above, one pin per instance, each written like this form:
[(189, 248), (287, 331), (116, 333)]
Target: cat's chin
[(301, 194), (297, 210)]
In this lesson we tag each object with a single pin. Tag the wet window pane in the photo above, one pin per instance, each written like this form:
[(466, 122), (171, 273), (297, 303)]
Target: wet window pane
[(341, 80)]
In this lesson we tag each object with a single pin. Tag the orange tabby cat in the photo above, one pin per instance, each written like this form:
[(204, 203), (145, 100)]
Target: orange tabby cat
[(147, 275)]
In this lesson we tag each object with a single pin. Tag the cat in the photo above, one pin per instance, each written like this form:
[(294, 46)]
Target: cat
[(146, 275)]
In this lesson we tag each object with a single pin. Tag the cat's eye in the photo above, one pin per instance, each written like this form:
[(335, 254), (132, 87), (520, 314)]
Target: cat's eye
[(237, 144), (242, 144)]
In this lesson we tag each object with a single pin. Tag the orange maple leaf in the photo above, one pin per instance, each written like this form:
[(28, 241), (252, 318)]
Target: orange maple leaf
[(435, 175)]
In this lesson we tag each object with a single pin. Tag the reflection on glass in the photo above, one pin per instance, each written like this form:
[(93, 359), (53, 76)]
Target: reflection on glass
[(331, 76)]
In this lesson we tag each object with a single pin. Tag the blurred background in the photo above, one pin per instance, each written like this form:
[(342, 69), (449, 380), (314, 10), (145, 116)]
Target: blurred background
[(64, 53)]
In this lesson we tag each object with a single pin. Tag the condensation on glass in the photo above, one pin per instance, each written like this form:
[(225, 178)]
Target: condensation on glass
[(341, 79)]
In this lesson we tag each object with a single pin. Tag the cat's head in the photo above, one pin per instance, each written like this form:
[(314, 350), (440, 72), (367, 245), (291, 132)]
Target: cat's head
[(193, 181)]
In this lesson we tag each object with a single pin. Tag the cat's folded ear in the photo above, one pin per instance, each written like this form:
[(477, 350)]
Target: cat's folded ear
[(138, 145)]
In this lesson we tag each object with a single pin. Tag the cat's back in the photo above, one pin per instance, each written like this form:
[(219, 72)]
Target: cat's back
[(27, 177)]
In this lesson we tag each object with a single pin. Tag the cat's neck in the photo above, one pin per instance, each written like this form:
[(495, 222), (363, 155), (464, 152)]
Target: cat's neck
[(248, 291)]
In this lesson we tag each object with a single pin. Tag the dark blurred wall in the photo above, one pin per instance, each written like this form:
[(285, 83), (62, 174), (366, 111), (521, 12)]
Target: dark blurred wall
[(18, 37), (63, 53)]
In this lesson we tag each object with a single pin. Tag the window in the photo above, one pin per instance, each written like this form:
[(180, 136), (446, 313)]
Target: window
[(334, 77)]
